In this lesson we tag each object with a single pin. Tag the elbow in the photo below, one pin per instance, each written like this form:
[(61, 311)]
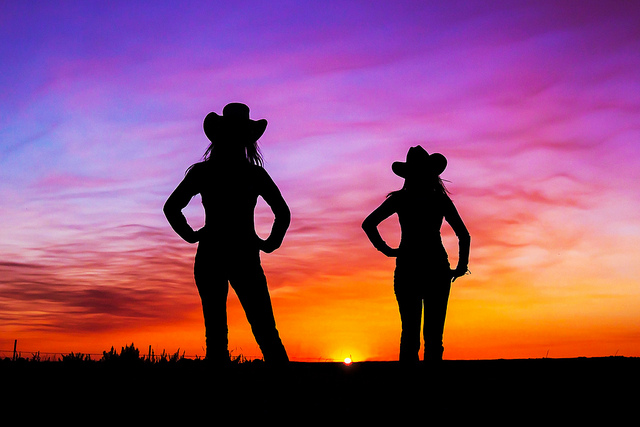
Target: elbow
[(463, 234), (367, 225), (168, 209), (465, 241), (286, 218), (465, 238), (284, 215)]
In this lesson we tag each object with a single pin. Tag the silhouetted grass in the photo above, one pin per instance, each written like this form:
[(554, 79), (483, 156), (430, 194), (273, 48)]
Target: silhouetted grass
[(129, 354)]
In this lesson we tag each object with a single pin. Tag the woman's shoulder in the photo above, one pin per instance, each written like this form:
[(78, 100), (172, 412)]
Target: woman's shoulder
[(444, 197), (397, 196), (256, 168), (197, 168), (257, 171), (194, 172), (445, 202)]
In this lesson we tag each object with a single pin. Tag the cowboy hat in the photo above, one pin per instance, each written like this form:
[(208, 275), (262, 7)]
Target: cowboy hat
[(418, 160), (235, 117)]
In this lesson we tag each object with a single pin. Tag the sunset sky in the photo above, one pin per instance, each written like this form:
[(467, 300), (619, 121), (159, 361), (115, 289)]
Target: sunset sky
[(536, 105)]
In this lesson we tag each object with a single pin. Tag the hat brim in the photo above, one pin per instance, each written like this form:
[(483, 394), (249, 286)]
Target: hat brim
[(254, 128), (400, 169), (436, 165)]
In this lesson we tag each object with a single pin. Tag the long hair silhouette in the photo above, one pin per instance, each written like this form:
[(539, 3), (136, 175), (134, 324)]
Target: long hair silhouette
[(230, 178), (423, 276)]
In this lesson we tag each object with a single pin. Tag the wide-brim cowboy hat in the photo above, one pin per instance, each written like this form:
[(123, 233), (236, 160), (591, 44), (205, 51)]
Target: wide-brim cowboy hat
[(419, 162), (234, 118)]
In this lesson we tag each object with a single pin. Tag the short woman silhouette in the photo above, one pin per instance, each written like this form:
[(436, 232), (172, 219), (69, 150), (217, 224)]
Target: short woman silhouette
[(422, 275), (229, 180)]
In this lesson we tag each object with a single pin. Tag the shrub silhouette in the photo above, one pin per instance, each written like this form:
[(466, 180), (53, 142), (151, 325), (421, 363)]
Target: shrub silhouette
[(166, 358), (75, 358), (128, 354)]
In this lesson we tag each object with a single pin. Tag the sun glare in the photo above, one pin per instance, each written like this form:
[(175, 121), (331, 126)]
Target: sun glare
[(347, 361)]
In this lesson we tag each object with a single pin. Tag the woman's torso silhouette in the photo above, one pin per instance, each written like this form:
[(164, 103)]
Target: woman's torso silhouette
[(421, 215), (229, 197)]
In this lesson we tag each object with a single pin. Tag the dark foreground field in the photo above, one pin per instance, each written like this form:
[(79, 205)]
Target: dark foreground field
[(517, 392)]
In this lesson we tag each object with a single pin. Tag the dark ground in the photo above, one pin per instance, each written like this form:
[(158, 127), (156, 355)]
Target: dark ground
[(548, 391)]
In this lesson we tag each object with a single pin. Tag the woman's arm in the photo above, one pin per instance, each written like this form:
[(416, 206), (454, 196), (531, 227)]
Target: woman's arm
[(370, 227), (464, 239), (177, 201), (282, 215)]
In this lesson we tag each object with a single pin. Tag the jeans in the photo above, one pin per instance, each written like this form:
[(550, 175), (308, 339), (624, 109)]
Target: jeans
[(214, 270), (417, 286)]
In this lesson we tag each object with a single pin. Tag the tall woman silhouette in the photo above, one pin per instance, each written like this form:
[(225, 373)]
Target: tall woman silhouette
[(423, 275), (229, 180)]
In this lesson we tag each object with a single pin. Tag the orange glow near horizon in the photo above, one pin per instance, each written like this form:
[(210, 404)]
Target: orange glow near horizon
[(476, 328)]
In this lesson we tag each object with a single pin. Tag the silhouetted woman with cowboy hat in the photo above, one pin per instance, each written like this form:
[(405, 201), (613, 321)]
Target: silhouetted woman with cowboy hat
[(230, 179), (423, 275)]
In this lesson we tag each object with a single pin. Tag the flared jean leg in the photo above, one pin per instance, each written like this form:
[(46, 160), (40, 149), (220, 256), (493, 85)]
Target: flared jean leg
[(410, 307), (213, 290), (214, 270), (250, 284), (435, 312), (419, 290)]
